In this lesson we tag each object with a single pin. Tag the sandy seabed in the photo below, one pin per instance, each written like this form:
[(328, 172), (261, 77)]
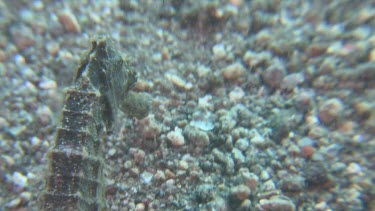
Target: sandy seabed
[(256, 105)]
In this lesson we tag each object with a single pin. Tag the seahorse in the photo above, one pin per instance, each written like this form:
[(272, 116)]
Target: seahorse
[(102, 84)]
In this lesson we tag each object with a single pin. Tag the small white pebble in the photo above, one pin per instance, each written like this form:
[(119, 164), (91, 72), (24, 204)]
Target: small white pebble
[(242, 144), (147, 177), (112, 152), (354, 168), (219, 51), (203, 71), (269, 185), (140, 207), (321, 206), (48, 84), (156, 57), (183, 165), (204, 101), (178, 81), (236, 95), (31, 175), (26, 196), (170, 182), (35, 141), (264, 175), (257, 140), (19, 179), (128, 164), (19, 59), (238, 156), (13, 203)]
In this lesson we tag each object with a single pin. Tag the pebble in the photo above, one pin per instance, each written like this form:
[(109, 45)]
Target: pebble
[(183, 165), (22, 36), (233, 71), (238, 156), (69, 22), (321, 206), (169, 174), (157, 57), (138, 154), (246, 204), (219, 51), (305, 141), (251, 180), (330, 110), (274, 74), (291, 81), (159, 175), (264, 175), (241, 192), (140, 207), (19, 179), (269, 185), (19, 59), (338, 167), (242, 144), (143, 85), (236, 95), (220, 156), (53, 48), (276, 203), (26, 196), (14, 203), (204, 193), (134, 172), (253, 59), (354, 168), (315, 174), (236, 3), (176, 138), (196, 133), (128, 164), (147, 177), (363, 107), (203, 71), (3, 56), (294, 150), (257, 139), (307, 151), (35, 142), (178, 81), (112, 152), (293, 183), (31, 176), (8, 160), (205, 125), (371, 56), (47, 84), (149, 127)]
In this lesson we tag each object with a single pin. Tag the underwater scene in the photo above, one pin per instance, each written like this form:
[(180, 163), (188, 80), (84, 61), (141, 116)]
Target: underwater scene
[(213, 105)]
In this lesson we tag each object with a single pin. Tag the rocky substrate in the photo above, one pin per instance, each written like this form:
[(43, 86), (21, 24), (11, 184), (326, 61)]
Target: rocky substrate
[(256, 105)]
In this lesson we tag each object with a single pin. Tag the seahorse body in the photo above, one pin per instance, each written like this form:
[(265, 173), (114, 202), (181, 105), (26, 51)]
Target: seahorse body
[(74, 179)]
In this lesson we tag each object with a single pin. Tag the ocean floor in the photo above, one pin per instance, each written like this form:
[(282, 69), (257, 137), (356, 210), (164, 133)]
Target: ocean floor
[(256, 104)]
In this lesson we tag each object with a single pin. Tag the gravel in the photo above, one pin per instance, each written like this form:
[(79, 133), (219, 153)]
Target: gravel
[(256, 105)]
